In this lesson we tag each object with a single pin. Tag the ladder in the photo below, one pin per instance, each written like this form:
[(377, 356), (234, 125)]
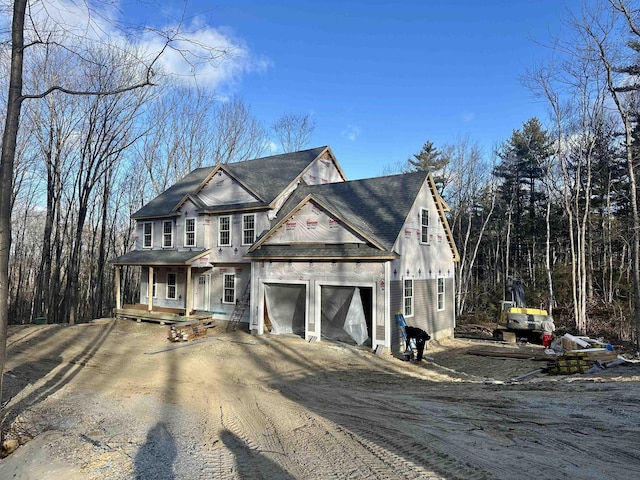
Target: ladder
[(240, 308)]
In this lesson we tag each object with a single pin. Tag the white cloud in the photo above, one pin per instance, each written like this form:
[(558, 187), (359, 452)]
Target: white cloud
[(352, 132), (467, 117), (211, 56)]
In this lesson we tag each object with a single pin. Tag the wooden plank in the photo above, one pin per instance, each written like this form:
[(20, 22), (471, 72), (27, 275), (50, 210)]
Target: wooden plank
[(510, 353)]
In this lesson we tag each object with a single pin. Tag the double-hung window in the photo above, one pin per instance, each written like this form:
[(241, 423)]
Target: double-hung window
[(407, 294), (224, 231), (440, 294), (190, 232), (424, 226), (167, 234), (248, 229), (171, 286), (147, 235), (229, 288)]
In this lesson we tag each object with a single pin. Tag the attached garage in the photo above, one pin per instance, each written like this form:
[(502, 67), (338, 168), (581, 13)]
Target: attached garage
[(285, 308), (345, 314)]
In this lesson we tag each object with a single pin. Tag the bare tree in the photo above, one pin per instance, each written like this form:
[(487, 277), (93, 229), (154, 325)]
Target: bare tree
[(34, 29), (238, 134), (182, 131), (473, 200), (606, 29), (293, 132)]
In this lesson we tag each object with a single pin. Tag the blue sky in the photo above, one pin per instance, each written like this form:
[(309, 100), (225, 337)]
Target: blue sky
[(380, 78)]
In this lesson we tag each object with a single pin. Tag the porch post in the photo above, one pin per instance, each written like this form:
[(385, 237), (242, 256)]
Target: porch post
[(150, 289), (117, 287), (187, 300)]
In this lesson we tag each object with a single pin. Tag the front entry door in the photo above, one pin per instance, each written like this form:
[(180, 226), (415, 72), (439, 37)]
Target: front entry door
[(202, 292)]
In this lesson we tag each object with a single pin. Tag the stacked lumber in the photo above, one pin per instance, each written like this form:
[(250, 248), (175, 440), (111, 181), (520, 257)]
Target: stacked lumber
[(582, 361), (571, 362), (185, 333)]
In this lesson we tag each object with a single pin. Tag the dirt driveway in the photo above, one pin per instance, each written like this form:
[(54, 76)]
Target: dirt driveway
[(116, 400)]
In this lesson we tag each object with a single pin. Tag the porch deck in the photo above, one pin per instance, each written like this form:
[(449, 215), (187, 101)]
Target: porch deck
[(161, 315)]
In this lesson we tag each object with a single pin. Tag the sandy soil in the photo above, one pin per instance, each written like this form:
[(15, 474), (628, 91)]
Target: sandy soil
[(116, 400)]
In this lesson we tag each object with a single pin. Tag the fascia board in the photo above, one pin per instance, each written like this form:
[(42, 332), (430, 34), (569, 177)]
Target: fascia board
[(442, 207), (199, 255)]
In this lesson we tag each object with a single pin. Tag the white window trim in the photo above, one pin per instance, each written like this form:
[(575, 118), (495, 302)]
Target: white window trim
[(144, 236), (439, 294), (244, 230), (186, 232), (175, 286), (412, 297), (154, 285), (220, 244), (424, 241), (224, 283), (170, 223)]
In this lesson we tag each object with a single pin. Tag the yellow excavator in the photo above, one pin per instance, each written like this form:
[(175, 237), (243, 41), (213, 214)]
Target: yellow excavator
[(516, 320)]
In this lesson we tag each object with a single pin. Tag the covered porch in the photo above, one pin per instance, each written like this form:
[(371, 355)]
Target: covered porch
[(178, 306)]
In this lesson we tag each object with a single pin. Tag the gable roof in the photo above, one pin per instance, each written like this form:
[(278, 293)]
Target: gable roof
[(265, 177), (375, 207)]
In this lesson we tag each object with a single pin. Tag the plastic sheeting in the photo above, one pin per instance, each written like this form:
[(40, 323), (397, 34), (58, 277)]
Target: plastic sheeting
[(355, 324), (342, 314), (286, 307)]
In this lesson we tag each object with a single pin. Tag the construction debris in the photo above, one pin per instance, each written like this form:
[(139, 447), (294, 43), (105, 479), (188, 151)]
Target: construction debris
[(568, 354), (582, 355), (185, 333)]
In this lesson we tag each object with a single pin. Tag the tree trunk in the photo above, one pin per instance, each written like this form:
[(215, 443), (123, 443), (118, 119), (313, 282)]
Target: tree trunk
[(9, 140)]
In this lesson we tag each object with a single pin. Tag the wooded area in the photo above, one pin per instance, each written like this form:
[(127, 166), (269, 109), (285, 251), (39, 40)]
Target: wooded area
[(555, 204)]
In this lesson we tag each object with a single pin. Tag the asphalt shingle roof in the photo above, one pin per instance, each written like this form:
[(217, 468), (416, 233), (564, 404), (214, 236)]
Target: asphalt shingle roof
[(314, 251), (377, 207), (267, 177), (158, 257)]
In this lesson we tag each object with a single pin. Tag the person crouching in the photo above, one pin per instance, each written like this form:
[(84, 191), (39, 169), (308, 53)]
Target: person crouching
[(420, 336)]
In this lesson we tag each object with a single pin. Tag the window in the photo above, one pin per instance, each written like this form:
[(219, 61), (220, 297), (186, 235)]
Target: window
[(424, 226), (248, 229), (440, 294), (171, 286), (408, 297), (154, 286), (147, 235), (190, 232), (229, 293), (224, 231), (167, 234)]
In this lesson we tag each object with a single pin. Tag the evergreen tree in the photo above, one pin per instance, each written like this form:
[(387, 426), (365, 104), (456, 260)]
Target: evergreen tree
[(521, 171), (431, 159)]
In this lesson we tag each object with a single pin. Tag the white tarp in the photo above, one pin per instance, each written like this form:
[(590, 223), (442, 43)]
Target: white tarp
[(355, 324), (342, 315), (286, 307)]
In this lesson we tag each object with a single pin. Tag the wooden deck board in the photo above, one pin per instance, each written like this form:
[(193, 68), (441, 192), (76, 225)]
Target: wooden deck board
[(163, 318)]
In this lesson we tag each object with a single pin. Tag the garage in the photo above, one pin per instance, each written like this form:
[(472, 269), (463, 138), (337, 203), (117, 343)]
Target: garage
[(285, 308), (346, 314)]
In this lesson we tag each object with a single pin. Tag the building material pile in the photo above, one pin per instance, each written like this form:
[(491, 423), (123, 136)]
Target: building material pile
[(185, 333), (581, 355)]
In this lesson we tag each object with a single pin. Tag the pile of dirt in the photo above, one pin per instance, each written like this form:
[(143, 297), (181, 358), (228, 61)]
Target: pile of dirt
[(117, 400)]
